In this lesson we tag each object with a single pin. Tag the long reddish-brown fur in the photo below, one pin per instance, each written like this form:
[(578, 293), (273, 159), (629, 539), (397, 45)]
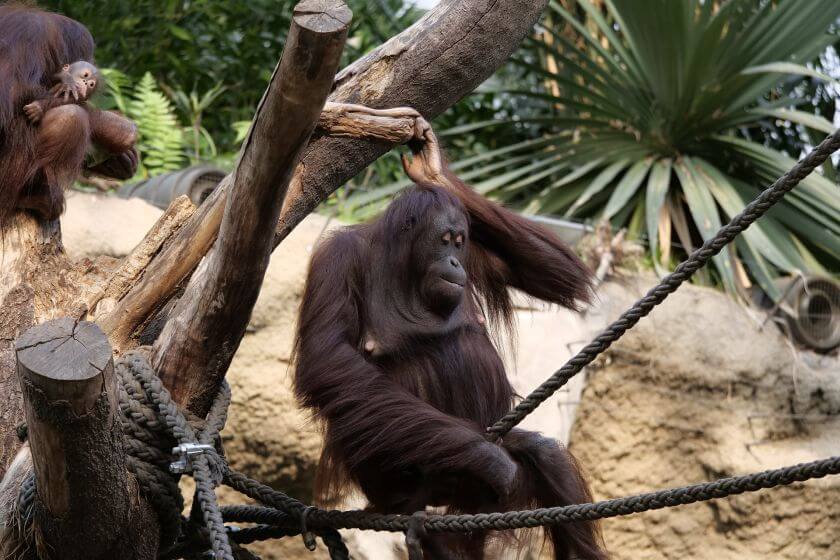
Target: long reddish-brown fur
[(38, 161), (408, 427)]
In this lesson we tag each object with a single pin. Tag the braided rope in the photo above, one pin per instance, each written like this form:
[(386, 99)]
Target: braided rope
[(152, 421), (668, 285), (141, 382), (670, 497)]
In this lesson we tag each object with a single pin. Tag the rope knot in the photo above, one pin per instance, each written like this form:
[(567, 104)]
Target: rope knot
[(415, 534), (308, 537)]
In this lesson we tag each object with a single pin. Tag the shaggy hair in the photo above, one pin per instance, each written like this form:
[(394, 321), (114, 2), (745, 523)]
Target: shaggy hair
[(406, 426)]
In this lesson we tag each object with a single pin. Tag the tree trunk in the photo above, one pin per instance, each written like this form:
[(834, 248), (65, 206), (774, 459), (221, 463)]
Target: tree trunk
[(197, 345), (87, 506), (37, 283)]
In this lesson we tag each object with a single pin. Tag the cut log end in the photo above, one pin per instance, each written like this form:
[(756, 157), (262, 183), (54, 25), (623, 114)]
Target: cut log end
[(65, 359), (322, 16), (85, 496)]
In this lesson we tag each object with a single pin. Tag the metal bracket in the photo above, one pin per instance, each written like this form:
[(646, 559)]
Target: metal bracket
[(185, 452)]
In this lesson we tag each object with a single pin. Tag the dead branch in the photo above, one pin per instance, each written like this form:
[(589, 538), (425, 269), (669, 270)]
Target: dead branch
[(170, 267), (395, 126), (134, 264)]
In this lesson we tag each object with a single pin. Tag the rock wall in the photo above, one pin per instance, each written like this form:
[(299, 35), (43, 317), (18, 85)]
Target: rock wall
[(698, 391)]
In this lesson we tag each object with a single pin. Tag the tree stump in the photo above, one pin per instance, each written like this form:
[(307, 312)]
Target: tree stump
[(87, 505)]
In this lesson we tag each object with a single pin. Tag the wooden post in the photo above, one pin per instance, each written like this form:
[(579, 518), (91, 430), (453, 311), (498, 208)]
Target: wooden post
[(197, 344), (87, 507)]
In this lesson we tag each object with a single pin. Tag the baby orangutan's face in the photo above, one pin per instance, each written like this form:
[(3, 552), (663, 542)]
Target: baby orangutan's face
[(78, 80)]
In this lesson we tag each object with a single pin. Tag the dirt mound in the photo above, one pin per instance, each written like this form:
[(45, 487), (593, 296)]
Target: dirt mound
[(698, 391)]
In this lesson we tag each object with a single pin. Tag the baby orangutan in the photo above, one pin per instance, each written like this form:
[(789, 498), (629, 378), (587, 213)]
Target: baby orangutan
[(48, 129), (78, 80)]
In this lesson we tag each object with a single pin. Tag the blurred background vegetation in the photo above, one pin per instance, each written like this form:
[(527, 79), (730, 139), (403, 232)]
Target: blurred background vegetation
[(664, 117)]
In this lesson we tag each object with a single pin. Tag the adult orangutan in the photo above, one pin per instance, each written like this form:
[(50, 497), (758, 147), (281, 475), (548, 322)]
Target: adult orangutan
[(42, 152), (393, 354)]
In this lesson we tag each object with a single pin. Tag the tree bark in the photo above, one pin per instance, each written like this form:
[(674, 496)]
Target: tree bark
[(132, 267), (37, 283), (171, 266), (197, 344), (428, 67), (87, 507)]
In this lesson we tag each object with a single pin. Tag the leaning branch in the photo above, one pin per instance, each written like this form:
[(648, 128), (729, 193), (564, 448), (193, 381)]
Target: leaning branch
[(428, 67), (195, 348)]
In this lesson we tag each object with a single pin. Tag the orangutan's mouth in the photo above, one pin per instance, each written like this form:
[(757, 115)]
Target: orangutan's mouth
[(456, 284)]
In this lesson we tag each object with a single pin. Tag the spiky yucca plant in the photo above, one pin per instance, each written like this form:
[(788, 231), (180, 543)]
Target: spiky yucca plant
[(642, 115)]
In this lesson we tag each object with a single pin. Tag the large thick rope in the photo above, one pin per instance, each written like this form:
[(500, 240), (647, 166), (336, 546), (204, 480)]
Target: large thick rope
[(281, 504)]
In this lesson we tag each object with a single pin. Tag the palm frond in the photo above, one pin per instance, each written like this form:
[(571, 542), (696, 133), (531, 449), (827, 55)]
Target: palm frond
[(646, 111)]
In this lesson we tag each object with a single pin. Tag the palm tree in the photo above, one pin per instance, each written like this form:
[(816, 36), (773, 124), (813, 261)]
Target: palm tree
[(653, 115)]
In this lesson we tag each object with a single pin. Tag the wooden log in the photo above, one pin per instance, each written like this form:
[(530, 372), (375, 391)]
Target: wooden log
[(134, 265), (87, 506), (170, 267), (204, 330), (429, 67)]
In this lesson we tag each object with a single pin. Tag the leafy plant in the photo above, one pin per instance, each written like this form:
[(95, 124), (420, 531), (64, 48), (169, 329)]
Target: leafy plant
[(193, 107), (654, 118), (161, 141)]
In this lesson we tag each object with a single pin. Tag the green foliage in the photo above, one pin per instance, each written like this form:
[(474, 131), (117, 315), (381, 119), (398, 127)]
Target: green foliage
[(202, 46), (656, 119), (161, 141), (193, 106)]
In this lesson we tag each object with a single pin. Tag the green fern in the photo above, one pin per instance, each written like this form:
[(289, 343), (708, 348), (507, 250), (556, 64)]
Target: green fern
[(161, 138), (116, 84)]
